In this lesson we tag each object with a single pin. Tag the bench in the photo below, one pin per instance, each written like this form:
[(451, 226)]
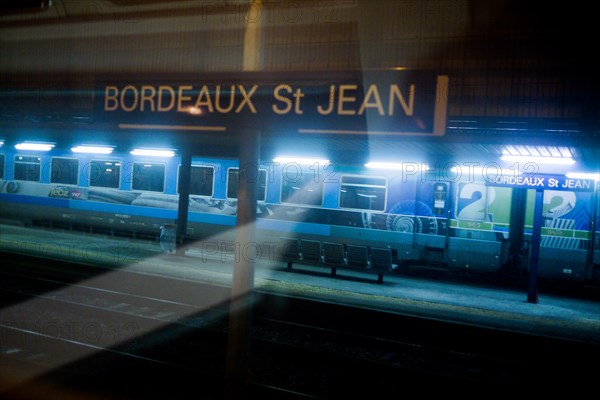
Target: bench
[(310, 251), (290, 251), (381, 261), (358, 256), (336, 255)]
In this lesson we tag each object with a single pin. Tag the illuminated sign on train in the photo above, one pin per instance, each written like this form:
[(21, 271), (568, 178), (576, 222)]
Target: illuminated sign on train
[(543, 182), (392, 102)]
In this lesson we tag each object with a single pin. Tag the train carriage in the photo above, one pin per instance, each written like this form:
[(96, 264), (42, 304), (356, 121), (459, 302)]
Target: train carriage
[(434, 216)]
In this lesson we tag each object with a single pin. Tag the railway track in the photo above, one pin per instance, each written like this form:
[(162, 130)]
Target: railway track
[(71, 326)]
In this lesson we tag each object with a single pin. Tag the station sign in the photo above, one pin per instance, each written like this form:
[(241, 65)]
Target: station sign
[(387, 102), (542, 182)]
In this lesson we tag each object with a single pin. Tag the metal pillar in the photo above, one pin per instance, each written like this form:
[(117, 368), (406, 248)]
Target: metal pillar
[(536, 240), (184, 199), (240, 310), (589, 268), (238, 339), (516, 269)]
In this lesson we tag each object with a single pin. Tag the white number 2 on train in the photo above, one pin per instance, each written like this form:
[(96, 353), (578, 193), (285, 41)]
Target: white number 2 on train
[(558, 203), (473, 199)]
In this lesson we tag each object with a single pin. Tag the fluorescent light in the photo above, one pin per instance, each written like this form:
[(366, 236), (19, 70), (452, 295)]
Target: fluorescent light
[(534, 151), (565, 152), (92, 149), (523, 151), (510, 150), (308, 161), (34, 146), (539, 160), (554, 151), (491, 170), (583, 175), (402, 166), (152, 152), (1, 143)]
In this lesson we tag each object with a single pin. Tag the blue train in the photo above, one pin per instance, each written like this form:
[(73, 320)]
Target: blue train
[(417, 214)]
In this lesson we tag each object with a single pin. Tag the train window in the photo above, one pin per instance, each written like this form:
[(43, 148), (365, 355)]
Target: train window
[(27, 168), (233, 178), (1, 166), (365, 193), (302, 189), (64, 170), (105, 173), (201, 180), (148, 177)]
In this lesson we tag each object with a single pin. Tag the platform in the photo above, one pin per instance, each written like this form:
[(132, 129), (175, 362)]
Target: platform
[(212, 261)]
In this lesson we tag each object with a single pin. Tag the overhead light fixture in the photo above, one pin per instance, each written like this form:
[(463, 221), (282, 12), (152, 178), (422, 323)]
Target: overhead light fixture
[(408, 166), (299, 160), (152, 152), (537, 151), (583, 175), (92, 149), (539, 160), (483, 171), (34, 146)]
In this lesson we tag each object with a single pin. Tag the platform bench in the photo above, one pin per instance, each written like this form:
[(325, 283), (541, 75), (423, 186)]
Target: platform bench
[(336, 255)]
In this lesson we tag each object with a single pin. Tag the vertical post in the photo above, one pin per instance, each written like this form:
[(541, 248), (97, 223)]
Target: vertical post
[(238, 339), (536, 240), (589, 269), (253, 37), (517, 223), (184, 198), (240, 315)]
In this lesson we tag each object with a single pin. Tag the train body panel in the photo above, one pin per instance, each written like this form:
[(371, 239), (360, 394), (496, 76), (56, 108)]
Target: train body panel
[(566, 244), (563, 263), (421, 218)]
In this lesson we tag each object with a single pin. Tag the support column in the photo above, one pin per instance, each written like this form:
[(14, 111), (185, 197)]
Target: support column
[(536, 240), (185, 172), (516, 229), (242, 288)]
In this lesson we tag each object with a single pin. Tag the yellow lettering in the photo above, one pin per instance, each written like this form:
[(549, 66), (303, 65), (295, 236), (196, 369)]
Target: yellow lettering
[(110, 98), (181, 98), (231, 100), (396, 93), (134, 104), (329, 109), (285, 100), (171, 92), (200, 101), (147, 98), (298, 96), (372, 92), (247, 99), (346, 99)]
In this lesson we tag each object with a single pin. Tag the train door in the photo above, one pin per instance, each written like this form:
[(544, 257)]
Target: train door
[(593, 272), (434, 198), (418, 213), (480, 226), (566, 232)]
